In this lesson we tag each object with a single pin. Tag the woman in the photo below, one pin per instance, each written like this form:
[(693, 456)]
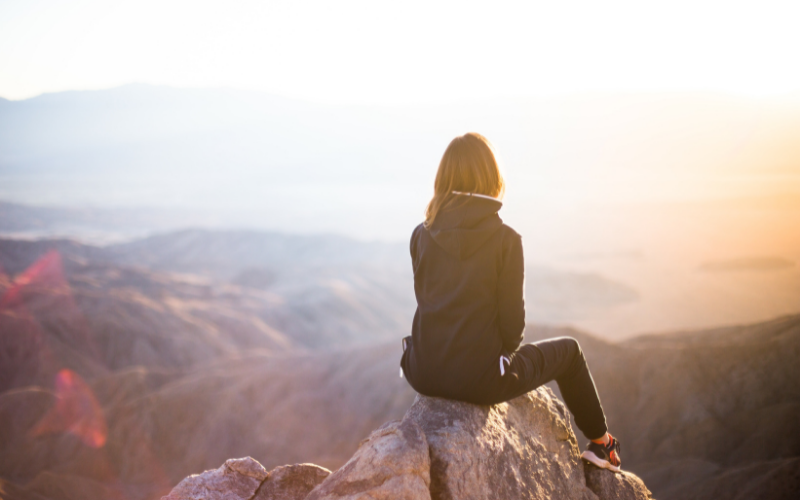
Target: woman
[(470, 318)]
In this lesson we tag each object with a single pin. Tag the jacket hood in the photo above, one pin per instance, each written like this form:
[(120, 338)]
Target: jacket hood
[(465, 223)]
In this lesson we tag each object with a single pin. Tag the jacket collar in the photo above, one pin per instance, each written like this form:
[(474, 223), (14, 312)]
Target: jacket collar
[(477, 194), (465, 223)]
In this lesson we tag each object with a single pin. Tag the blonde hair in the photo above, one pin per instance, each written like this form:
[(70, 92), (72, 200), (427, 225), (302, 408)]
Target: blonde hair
[(468, 165)]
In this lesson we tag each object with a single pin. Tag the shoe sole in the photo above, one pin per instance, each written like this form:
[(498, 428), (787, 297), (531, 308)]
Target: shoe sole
[(593, 459)]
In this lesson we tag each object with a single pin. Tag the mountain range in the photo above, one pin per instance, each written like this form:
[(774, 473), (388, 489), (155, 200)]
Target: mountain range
[(242, 157), (126, 368)]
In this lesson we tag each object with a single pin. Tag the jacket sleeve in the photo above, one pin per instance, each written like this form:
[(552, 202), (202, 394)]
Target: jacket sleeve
[(511, 294)]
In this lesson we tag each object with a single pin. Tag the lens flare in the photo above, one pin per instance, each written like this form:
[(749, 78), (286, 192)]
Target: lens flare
[(76, 411), (47, 272)]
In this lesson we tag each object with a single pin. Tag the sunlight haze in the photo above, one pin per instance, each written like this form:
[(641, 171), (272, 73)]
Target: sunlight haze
[(215, 242), (652, 145), (387, 53)]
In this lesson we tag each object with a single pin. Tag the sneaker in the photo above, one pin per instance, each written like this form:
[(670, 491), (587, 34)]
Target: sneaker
[(605, 457)]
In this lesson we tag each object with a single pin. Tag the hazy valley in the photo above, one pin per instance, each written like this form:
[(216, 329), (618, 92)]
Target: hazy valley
[(188, 276), (177, 359)]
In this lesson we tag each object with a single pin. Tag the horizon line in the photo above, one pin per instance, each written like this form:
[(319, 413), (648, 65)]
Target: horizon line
[(792, 95)]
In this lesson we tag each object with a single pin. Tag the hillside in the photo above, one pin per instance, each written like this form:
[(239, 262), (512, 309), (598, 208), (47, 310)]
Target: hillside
[(323, 291), (695, 409), (121, 380), (327, 304), (317, 408)]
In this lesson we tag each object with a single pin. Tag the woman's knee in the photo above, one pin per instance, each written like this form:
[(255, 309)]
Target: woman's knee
[(574, 362), (573, 347)]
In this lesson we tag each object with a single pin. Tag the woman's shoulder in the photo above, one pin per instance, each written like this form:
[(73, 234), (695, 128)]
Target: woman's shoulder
[(508, 233), (417, 231), (415, 235)]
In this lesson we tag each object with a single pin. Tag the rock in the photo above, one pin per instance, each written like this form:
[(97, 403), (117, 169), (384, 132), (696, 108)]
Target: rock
[(392, 463), (612, 486), (246, 479), (440, 450), (523, 449), (291, 482), (236, 479)]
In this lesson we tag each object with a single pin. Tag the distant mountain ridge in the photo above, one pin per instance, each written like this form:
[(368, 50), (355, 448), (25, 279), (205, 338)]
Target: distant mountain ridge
[(672, 399), (344, 277), (317, 307), (162, 129), (299, 374), (192, 147), (222, 254)]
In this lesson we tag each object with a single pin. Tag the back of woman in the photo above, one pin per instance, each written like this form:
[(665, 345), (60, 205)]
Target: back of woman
[(468, 280), (470, 319)]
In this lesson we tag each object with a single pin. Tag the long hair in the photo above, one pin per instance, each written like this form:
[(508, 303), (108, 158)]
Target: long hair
[(468, 166)]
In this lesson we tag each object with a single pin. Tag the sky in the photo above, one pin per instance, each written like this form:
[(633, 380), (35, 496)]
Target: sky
[(659, 136), (372, 52)]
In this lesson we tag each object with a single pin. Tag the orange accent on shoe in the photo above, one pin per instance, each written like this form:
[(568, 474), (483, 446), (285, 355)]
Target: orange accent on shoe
[(600, 441)]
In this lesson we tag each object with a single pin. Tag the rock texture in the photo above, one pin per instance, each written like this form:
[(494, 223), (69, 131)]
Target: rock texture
[(520, 449), (608, 486), (291, 482), (237, 479), (392, 463), (443, 450), (523, 449), (246, 479)]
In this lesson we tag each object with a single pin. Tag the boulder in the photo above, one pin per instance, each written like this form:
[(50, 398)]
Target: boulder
[(291, 482), (236, 479), (246, 479), (392, 463), (521, 449), (440, 450), (609, 486)]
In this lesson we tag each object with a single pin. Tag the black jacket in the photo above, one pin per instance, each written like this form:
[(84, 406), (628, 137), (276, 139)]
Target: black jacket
[(468, 280)]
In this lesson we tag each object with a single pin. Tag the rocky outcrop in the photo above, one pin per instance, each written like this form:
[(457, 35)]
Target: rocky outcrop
[(238, 478), (246, 479), (443, 449), (392, 463), (520, 449), (608, 486), (291, 482)]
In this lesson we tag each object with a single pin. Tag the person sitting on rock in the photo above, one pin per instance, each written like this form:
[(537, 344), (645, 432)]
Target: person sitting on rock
[(470, 317)]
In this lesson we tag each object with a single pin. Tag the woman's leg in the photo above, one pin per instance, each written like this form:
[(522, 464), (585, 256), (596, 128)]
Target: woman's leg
[(561, 359)]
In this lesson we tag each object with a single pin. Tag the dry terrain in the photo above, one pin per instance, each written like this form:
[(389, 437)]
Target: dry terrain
[(118, 380)]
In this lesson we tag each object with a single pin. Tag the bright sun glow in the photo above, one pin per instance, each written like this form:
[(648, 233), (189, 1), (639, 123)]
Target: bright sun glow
[(382, 52)]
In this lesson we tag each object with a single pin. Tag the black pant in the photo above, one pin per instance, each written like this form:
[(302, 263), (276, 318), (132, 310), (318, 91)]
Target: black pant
[(561, 359)]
